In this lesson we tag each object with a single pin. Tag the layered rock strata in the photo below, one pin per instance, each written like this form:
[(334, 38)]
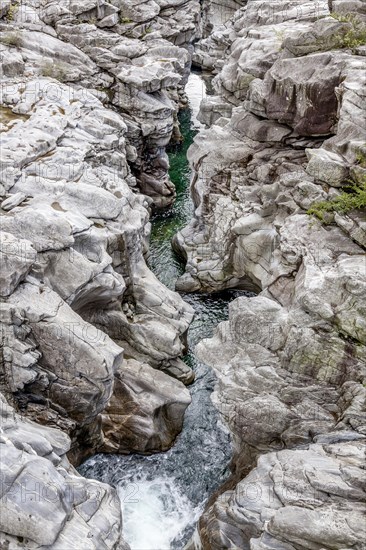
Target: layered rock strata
[(90, 97), (75, 235)]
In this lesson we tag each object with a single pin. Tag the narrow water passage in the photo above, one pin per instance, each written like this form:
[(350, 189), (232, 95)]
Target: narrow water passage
[(163, 495), (162, 260)]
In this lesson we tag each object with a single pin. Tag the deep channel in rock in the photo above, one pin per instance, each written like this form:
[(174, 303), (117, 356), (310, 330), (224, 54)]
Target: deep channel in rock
[(265, 193), (166, 493)]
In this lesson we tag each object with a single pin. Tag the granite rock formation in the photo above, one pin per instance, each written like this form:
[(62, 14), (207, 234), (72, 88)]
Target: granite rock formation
[(90, 95), (135, 56), (90, 339), (79, 235), (285, 131), (44, 502)]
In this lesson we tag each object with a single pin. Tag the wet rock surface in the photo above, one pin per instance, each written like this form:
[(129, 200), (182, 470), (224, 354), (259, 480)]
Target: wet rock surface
[(44, 501)]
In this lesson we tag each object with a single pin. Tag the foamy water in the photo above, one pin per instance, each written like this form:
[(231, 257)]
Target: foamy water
[(155, 512)]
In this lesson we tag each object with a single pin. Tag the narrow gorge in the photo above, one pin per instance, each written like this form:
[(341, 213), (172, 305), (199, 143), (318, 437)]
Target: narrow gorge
[(183, 274)]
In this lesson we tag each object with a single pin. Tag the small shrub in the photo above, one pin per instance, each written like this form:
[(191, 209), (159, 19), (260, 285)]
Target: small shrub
[(280, 35), (12, 10), (352, 198), (361, 158), (125, 20), (354, 37), (344, 17), (54, 70), (11, 39)]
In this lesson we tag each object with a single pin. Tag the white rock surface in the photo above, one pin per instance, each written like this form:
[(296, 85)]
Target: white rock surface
[(44, 502), (86, 231), (283, 133), (323, 509), (75, 287)]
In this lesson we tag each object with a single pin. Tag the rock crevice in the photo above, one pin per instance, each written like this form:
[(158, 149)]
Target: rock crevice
[(91, 340)]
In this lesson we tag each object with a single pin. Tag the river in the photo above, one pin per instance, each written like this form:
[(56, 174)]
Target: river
[(164, 494)]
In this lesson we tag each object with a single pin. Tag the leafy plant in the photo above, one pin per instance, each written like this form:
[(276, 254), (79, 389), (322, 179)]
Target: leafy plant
[(344, 17), (352, 198), (354, 37), (361, 158)]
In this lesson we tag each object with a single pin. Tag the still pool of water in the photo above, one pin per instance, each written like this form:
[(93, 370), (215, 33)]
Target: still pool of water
[(163, 495), (162, 260)]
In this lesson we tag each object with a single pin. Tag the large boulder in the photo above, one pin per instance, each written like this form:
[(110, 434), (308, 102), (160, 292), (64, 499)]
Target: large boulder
[(146, 411), (44, 502), (305, 498), (73, 245), (303, 96)]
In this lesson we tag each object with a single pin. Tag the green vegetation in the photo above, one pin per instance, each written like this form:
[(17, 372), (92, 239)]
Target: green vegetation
[(280, 35), (344, 17), (11, 39), (148, 30), (12, 10), (352, 198), (54, 69), (355, 36), (125, 20), (361, 158)]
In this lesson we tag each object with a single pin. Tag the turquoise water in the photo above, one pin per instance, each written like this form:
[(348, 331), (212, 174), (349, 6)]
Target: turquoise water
[(166, 265)]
